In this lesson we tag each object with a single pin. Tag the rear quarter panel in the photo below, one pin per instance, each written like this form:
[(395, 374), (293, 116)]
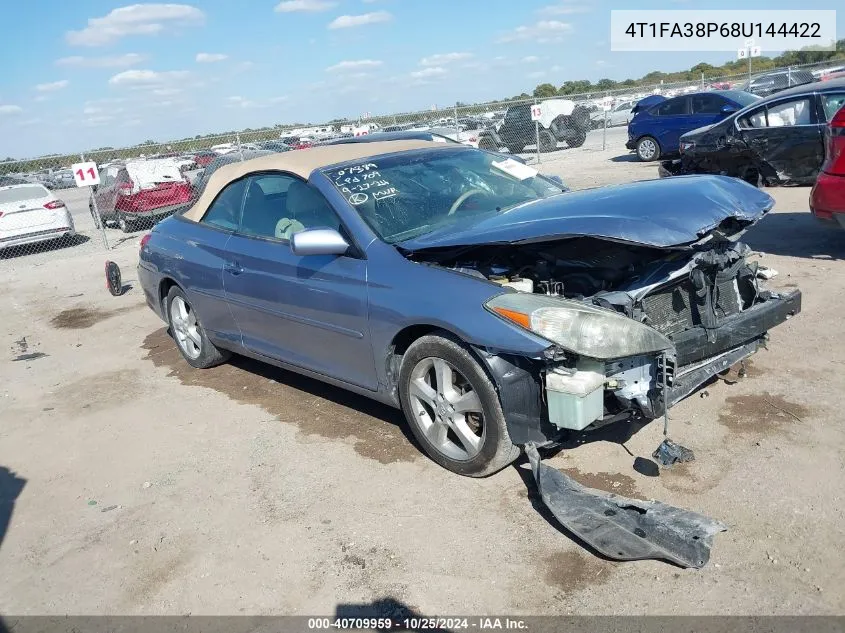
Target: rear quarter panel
[(191, 255)]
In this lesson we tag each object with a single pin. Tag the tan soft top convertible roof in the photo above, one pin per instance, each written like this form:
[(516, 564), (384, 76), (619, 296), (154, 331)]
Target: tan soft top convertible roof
[(300, 162)]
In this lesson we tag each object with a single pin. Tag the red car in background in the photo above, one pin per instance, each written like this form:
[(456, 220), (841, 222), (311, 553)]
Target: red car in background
[(203, 158), (827, 199), (830, 76), (140, 191)]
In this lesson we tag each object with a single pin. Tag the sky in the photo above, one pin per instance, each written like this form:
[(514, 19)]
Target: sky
[(90, 73)]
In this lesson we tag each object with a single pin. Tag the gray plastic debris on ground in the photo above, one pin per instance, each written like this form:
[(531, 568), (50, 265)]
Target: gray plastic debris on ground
[(669, 453), (621, 528)]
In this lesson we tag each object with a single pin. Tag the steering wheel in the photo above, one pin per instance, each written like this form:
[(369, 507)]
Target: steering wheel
[(463, 198)]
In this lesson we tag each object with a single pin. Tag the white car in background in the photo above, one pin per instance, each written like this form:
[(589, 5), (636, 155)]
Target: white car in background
[(619, 114), (30, 214)]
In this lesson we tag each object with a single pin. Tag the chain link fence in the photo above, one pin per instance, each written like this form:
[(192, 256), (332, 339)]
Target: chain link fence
[(43, 214)]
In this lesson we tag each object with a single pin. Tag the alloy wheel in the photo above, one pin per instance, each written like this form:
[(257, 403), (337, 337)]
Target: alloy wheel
[(185, 327), (647, 149), (447, 409)]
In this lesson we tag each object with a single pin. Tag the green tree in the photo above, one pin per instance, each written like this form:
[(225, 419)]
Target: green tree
[(544, 91)]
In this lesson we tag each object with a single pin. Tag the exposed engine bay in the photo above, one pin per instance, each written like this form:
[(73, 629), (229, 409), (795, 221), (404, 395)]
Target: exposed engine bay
[(666, 289), (704, 298)]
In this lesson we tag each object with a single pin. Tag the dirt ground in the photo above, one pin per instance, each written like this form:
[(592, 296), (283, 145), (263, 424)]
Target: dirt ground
[(145, 487)]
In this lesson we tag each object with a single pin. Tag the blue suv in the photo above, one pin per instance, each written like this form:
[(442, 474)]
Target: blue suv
[(656, 129)]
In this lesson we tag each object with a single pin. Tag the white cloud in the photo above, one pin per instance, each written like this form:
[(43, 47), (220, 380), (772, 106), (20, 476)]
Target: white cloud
[(541, 32), (10, 109), (167, 92), (136, 19), (426, 73), (444, 58), (310, 6), (114, 61), (206, 58), (244, 66), (601, 62), (531, 59), (348, 21), (242, 102), (147, 78), (41, 98), (96, 121), (536, 74), (28, 122), (563, 9), (52, 86), (357, 65)]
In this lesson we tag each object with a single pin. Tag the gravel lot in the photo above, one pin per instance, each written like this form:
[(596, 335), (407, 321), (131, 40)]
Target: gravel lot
[(148, 487)]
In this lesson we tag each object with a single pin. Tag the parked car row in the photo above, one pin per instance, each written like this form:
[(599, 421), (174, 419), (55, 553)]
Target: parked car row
[(655, 130), (772, 141)]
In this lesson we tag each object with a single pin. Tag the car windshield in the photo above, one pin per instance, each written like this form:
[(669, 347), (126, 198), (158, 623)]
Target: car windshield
[(18, 194), (402, 196)]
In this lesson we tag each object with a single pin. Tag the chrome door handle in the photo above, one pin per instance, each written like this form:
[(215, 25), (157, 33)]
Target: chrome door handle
[(233, 268)]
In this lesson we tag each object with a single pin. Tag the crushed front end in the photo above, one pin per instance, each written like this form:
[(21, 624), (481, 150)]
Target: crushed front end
[(691, 317)]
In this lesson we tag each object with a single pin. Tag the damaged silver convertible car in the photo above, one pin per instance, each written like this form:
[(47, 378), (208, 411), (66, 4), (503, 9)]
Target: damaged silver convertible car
[(495, 308)]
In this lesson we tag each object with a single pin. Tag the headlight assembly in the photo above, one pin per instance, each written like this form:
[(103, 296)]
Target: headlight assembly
[(578, 327)]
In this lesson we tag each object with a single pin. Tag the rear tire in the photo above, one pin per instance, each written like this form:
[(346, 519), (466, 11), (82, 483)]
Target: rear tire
[(578, 141), (453, 409), (648, 149), (187, 331)]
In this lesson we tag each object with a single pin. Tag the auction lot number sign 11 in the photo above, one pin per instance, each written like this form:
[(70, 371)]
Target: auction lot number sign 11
[(85, 174)]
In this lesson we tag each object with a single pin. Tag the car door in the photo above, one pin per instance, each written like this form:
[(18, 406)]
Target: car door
[(672, 118), (309, 311), (786, 137), (202, 257)]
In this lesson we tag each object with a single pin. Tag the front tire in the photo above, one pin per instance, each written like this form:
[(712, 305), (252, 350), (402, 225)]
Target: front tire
[(190, 337), (125, 225), (487, 144), (453, 409), (548, 143), (648, 149)]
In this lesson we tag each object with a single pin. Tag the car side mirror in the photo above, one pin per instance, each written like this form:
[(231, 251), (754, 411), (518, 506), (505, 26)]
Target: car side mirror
[(728, 109), (556, 179), (318, 242)]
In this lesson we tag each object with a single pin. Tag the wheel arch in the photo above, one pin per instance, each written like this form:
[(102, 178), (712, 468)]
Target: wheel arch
[(164, 287), (403, 339), (515, 379)]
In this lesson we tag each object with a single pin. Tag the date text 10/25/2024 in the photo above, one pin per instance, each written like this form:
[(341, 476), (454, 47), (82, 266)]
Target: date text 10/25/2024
[(418, 623)]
